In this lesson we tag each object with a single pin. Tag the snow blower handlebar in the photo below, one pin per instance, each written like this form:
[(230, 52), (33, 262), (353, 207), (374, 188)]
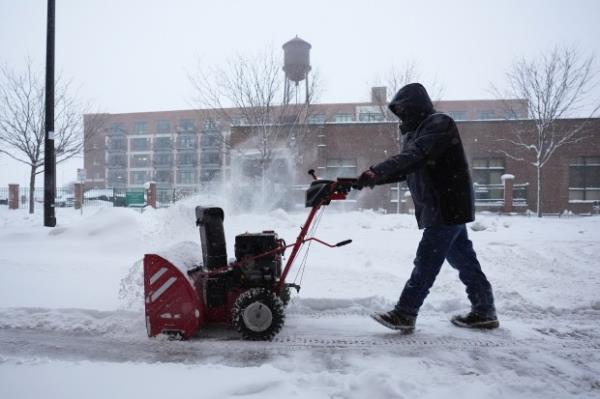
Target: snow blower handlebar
[(320, 193)]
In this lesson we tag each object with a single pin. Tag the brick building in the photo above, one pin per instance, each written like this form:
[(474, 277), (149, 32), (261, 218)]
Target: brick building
[(571, 179), (185, 151)]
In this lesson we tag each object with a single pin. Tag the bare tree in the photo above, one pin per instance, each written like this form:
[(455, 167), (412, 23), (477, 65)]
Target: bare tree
[(394, 79), (398, 76), (249, 91), (556, 85), (22, 130)]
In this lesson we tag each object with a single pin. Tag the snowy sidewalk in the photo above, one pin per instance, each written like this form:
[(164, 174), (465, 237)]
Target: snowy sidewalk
[(71, 313)]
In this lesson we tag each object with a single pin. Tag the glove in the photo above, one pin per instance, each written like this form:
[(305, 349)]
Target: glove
[(368, 178)]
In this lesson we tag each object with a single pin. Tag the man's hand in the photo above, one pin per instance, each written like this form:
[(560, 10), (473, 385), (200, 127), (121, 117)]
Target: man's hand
[(368, 178)]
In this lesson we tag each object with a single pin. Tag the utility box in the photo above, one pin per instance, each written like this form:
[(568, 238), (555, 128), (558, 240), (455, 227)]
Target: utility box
[(135, 198)]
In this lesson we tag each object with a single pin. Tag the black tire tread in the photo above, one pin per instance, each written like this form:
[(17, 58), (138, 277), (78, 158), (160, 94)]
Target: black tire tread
[(269, 299)]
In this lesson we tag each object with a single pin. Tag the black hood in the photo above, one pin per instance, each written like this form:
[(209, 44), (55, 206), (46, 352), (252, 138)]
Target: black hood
[(411, 104)]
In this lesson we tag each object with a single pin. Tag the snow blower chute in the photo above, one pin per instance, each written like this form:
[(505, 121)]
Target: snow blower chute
[(250, 293)]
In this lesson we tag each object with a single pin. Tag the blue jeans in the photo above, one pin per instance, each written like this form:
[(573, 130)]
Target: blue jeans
[(449, 243)]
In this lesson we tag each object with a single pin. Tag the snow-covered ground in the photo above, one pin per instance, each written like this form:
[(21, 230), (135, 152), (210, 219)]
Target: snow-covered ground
[(71, 314)]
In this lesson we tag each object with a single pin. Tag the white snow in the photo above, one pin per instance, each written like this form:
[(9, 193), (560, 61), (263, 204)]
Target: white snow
[(72, 322)]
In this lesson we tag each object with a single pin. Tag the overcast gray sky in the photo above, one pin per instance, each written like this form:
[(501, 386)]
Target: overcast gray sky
[(134, 55)]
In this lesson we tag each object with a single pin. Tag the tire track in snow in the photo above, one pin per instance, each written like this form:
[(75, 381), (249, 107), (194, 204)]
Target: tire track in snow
[(227, 350), (26, 333)]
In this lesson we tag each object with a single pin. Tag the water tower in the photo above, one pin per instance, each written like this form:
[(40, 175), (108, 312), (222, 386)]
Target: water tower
[(296, 65)]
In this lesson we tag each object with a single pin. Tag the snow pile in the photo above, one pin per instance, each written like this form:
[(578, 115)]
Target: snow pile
[(363, 306), (74, 321)]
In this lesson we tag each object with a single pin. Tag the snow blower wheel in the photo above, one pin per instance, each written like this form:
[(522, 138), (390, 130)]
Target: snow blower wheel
[(258, 314)]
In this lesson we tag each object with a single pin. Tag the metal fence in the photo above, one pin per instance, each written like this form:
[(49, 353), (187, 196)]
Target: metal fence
[(65, 198), (492, 195), (486, 196), (38, 197), (102, 197)]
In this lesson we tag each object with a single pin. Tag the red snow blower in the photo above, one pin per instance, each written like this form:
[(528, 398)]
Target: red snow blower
[(250, 293)]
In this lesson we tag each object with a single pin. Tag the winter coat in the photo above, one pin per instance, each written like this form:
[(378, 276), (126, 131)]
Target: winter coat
[(432, 160)]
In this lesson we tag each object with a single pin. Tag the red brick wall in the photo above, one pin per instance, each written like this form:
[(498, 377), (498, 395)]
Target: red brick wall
[(368, 143)]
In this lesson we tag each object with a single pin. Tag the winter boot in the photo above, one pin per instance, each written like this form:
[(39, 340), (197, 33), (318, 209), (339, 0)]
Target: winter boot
[(474, 320), (396, 321)]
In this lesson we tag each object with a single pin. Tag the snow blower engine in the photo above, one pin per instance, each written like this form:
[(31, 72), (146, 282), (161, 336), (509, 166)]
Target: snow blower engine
[(249, 293)]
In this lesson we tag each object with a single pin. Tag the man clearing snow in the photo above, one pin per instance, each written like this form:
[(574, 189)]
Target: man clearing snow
[(433, 163)]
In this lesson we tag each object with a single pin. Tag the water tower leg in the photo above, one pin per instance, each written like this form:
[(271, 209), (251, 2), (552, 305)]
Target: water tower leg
[(306, 85), (286, 91)]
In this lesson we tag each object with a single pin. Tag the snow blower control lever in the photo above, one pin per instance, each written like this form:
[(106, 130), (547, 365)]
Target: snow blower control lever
[(249, 292)]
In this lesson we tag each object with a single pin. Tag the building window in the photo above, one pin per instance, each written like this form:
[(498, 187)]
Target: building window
[(117, 144), (138, 177), (140, 144), (370, 116), (116, 178), (140, 161), (340, 168), (343, 118), (398, 195), (316, 119), (211, 158), (187, 142), (164, 159), (187, 125), (187, 159), (210, 140), (486, 114), (458, 115), (139, 128), (288, 119), (487, 176), (512, 114), (163, 176), (210, 124), (162, 144), (584, 179), (209, 175), (187, 176), (118, 127), (238, 121), (163, 127), (117, 161)]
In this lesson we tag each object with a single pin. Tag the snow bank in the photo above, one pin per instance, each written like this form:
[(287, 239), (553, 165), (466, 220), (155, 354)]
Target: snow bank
[(75, 321)]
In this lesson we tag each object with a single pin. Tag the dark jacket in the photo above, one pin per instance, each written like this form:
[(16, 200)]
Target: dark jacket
[(432, 160)]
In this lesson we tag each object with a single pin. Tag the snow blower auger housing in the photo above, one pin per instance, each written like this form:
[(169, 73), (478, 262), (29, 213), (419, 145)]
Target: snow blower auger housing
[(250, 293)]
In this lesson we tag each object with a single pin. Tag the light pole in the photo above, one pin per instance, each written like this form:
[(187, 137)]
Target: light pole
[(49, 156)]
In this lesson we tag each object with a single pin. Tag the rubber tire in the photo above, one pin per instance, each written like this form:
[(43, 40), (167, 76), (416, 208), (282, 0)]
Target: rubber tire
[(267, 298)]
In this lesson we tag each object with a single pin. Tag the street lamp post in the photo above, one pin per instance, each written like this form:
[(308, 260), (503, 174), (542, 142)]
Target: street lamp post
[(49, 155)]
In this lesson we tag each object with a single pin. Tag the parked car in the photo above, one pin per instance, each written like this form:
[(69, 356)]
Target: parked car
[(105, 195), (64, 201)]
